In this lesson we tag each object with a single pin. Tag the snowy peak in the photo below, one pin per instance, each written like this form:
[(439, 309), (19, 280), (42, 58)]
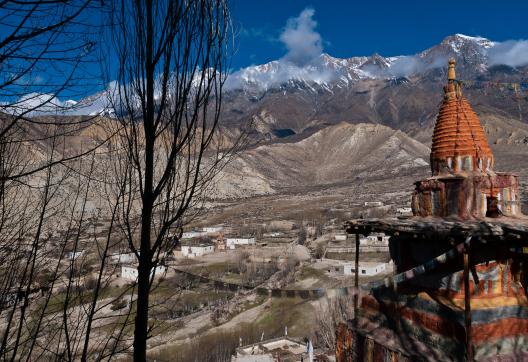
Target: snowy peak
[(462, 44), (280, 72), (377, 61), (459, 41), (331, 71)]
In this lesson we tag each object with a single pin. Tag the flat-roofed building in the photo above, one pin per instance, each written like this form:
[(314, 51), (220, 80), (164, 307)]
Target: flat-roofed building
[(232, 243), (131, 272), (193, 249)]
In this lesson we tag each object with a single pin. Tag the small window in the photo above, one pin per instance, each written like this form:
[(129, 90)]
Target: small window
[(363, 271)]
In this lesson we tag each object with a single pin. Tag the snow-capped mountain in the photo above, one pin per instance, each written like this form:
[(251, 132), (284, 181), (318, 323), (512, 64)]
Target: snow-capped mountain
[(401, 92), (477, 57), (327, 71)]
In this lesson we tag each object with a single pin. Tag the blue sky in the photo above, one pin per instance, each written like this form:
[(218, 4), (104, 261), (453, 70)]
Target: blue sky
[(350, 28), (299, 31)]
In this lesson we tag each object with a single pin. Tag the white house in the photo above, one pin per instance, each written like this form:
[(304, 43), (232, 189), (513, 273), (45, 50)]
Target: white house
[(193, 234), (340, 237), (379, 239), (232, 243), (212, 229), (123, 258), (131, 272), (271, 349), (372, 268), (273, 235), (196, 250), (365, 268), (404, 211)]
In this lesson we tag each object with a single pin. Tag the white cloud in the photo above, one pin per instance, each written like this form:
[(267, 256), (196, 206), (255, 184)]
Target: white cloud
[(304, 44), (405, 66), (37, 102), (302, 61), (512, 52)]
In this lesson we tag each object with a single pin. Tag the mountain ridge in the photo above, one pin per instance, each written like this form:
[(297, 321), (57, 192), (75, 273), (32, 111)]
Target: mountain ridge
[(352, 69), (324, 73), (341, 152)]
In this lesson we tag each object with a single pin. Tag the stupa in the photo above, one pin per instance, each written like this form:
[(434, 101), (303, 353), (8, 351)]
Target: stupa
[(463, 182), (459, 292)]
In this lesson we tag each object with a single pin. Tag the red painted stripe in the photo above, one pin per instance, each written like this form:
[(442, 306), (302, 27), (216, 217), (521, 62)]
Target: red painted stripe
[(507, 327)]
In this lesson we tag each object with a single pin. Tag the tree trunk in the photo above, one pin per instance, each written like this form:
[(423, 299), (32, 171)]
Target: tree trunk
[(141, 322), (145, 262)]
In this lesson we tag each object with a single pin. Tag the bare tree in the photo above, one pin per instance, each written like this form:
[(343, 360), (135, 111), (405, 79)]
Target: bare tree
[(51, 282), (162, 146), (48, 49), (333, 311), (44, 185), (171, 73)]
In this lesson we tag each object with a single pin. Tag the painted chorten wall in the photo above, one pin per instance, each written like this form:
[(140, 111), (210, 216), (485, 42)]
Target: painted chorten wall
[(424, 317), (463, 182)]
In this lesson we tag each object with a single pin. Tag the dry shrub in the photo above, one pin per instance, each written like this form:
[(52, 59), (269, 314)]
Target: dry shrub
[(118, 304)]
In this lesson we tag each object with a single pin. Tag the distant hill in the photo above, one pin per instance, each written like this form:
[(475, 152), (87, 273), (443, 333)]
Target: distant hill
[(341, 153)]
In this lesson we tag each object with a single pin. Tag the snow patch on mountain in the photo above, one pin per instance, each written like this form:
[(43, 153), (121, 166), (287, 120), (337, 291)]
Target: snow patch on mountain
[(458, 41), (37, 103), (278, 72)]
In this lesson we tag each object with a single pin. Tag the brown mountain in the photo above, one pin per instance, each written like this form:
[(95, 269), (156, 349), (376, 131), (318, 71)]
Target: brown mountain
[(336, 154)]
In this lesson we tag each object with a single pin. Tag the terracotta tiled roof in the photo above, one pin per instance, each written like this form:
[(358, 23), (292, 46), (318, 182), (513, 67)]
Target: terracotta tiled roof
[(458, 132)]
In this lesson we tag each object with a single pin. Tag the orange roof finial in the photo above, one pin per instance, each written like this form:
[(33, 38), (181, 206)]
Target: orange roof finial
[(451, 90), (451, 76)]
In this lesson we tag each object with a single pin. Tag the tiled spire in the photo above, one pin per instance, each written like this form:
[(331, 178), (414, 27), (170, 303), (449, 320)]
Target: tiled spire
[(459, 143)]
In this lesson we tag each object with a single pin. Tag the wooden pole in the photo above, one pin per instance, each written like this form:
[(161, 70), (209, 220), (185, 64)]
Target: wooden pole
[(354, 344), (356, 278), (467, 307)]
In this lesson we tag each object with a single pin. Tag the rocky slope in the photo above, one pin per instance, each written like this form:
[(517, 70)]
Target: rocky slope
[(340, 153)]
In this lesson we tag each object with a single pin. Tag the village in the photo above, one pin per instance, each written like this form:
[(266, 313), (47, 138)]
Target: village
[(329, 250), (219, 275), (284, 258)]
